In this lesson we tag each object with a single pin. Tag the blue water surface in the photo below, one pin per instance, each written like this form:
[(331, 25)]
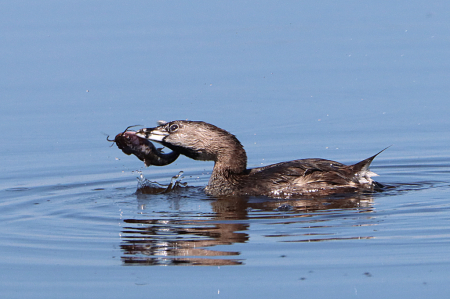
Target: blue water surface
[(336, 80)]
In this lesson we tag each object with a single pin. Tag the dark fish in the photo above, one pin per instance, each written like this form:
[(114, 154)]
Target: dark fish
[(142, 148)]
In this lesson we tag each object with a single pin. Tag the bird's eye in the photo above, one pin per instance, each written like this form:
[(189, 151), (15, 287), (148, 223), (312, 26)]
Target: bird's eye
[(173, 128)]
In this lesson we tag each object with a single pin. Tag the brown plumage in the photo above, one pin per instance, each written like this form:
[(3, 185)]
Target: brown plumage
[(306, 177)]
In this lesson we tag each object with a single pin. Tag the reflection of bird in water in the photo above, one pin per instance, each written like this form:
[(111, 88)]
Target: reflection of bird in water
[(171, 242), (230, 177), (241, 206), (181, 239)]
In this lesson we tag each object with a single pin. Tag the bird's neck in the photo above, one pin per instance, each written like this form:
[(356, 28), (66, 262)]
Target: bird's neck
[(230, 164)]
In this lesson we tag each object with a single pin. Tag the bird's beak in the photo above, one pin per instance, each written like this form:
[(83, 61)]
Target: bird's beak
[(153, 134)]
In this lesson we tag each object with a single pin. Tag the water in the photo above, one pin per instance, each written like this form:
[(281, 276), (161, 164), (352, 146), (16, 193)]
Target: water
[(298, 80)]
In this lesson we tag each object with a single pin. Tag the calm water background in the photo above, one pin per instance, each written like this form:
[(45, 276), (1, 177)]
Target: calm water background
[(337, 80)]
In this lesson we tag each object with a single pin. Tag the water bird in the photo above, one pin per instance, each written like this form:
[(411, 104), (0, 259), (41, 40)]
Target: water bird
[(199, 140)]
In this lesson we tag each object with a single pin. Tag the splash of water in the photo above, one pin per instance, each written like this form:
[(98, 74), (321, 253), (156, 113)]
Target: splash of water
[(151, 187)]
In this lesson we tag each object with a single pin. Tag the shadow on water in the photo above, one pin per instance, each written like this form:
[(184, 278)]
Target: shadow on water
[(187, 238)]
